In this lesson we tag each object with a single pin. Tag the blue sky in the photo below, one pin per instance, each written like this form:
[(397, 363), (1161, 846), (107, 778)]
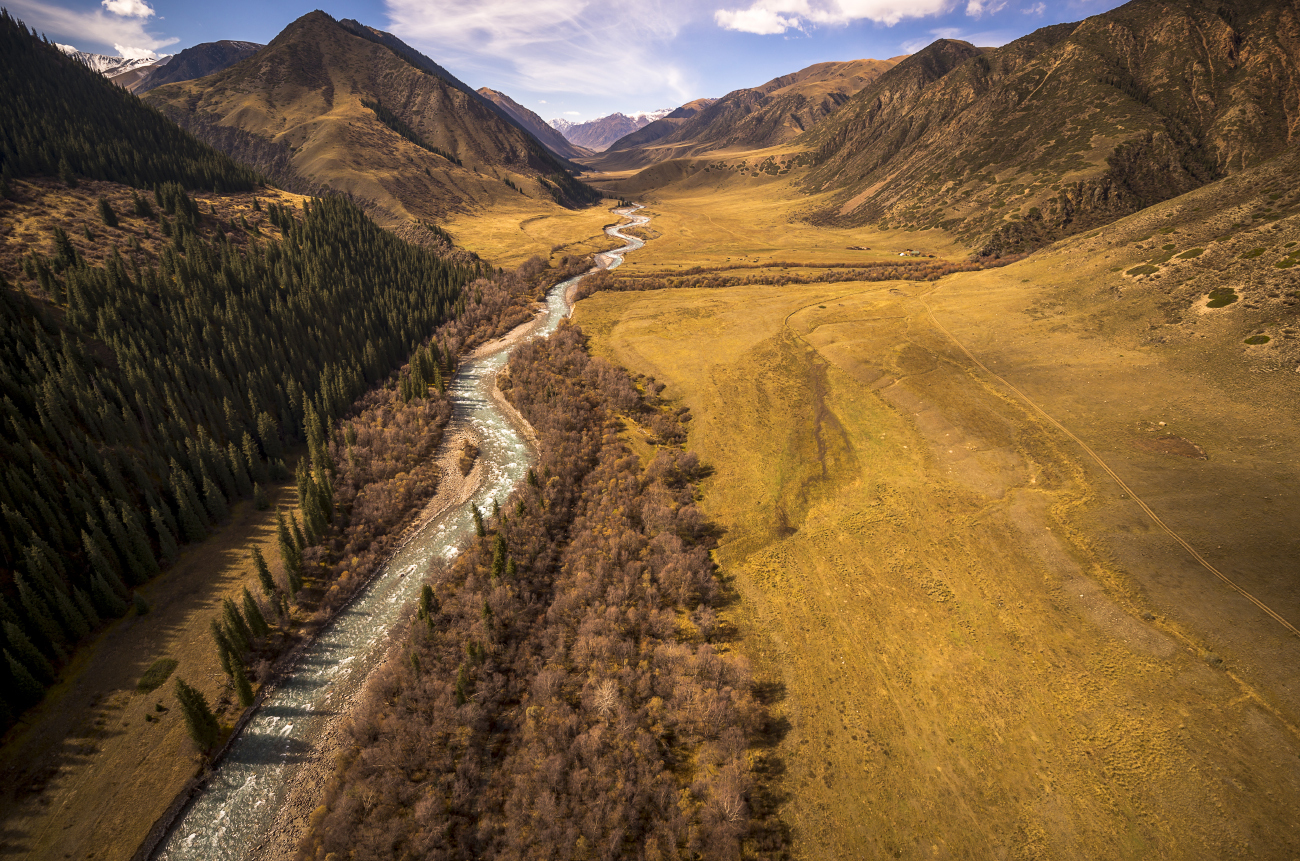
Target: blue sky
[(579, 59)]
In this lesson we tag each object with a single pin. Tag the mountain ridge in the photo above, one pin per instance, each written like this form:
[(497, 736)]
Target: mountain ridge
[(324, 107)]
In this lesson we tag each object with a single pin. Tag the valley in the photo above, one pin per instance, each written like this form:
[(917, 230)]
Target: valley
[(893, 459), (984, 646)]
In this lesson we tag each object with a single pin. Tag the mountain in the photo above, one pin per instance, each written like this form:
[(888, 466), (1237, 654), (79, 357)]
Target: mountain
[(751, 118), (1067, 128), (196, 62), (335, 105), (420, 61), (110, 66), (663, 126), (537, 126), (599, 133)]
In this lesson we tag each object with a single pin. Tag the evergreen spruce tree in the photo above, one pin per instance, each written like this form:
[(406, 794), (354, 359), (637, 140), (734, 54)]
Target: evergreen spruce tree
[(38, 612), (299, 540), (106, 600), (27, 691), (260, 502), (253, 613), (242, 687), (31, 656), (236, 628), (225, 649), (87, 607), (243, 483), (199, 719), (139, 541), (213, 500), (479, 529), (106, 213), (263, 574), (140, 604), (166, 542)]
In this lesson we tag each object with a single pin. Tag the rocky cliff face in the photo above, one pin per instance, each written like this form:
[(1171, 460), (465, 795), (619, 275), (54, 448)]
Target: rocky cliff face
[(1067, 128)]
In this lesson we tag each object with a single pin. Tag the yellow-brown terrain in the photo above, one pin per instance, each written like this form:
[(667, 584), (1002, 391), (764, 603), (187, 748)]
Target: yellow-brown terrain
[(1015, 548)]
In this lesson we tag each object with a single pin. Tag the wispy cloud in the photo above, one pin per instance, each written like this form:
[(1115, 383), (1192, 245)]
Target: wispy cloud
[(128, 8), (1037, 9), (768, 17), (125, 30), (587, 46), (984, 39), (980, 8)]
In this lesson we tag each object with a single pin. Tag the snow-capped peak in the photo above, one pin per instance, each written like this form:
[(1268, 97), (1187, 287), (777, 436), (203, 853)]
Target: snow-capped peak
[(109, 66)]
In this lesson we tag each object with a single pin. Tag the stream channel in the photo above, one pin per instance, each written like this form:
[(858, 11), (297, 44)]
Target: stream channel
[(230, 816)]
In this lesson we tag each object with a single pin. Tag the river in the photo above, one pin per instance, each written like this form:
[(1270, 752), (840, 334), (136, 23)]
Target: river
[(229, 818)]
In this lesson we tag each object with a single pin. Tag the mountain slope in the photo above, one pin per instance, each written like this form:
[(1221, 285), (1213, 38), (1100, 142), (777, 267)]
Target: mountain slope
[(1067, 128), (322, 106), (770, 114), (549, 136), (196, 62)]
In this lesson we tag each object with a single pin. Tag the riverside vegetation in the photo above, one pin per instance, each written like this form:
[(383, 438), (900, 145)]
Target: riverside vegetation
[(564, 688)]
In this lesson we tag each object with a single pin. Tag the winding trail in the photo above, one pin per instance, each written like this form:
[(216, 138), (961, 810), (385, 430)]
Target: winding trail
[(274, 767)]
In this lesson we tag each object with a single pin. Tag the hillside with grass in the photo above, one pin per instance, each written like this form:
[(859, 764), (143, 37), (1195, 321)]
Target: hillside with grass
[(326, 106), (1065, 129), (762, 116)]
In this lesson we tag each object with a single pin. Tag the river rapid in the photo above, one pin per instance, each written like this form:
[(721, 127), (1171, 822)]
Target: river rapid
[(231, 816)]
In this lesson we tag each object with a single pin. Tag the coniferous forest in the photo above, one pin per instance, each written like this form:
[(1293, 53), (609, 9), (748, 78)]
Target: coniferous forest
[(141, 399), (58, 118)]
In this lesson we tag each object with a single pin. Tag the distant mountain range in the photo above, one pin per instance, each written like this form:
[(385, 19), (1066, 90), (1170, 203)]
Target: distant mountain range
[(598, 134)]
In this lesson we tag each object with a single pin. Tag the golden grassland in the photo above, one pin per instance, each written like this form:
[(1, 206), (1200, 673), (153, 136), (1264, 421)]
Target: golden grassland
[(983, 647), (515, 230)]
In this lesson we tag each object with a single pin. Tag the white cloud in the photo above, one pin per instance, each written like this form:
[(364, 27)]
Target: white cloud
[(128, 8), (95, 26), (573, 113), (587, 46), (1036, 9), (768, 17), (980, 8), (135, 53)]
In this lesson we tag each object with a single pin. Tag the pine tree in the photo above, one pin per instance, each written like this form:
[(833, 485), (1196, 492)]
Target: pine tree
[(213, 500), (199, 719), (107, 601), (28, 691), (253, 613), (242, 687), (299, 540), (225, 649), (106, 213), (87, 608), (38, 612), (479, 529), (166, 542), (260, 502), (236, 628), (263, 574), (139, 541), (26, 652), (499, 556)]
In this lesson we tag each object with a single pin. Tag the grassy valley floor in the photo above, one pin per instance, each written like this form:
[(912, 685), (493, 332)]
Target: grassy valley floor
[(982, 645)]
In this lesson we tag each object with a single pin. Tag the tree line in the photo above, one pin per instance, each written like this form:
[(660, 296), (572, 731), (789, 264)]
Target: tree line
[(362, 482), (560, 690), (141, 400)]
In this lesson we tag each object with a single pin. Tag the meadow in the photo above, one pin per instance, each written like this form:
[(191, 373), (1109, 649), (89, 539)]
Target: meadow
[(982, 645)]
